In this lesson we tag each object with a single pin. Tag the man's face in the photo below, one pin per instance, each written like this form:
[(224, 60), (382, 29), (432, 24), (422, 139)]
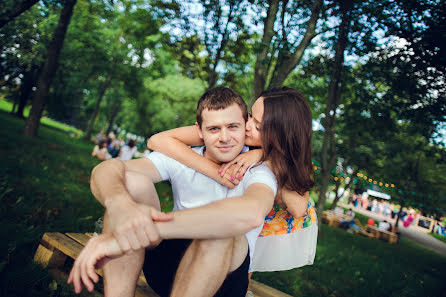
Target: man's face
[(223, 133)]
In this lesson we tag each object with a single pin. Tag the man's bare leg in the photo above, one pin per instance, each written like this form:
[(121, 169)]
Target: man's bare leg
[(206, 264), (121, 274)]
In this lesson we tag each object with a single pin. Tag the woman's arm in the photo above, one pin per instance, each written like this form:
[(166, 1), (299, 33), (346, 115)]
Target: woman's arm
[(175, 144), (295, 204)]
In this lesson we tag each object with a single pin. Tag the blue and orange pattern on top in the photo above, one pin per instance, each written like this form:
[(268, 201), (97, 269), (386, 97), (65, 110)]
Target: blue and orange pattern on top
[(280, 221)]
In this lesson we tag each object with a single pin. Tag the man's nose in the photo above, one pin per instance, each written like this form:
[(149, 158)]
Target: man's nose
[(224, 135)]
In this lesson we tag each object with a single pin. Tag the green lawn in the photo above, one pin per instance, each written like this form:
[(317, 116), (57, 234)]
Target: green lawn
[(44, 187)]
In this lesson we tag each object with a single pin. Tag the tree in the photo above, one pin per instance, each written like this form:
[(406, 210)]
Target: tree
[(328, 153), (279, 52), (210, 35), (15, 11), (48, 70)]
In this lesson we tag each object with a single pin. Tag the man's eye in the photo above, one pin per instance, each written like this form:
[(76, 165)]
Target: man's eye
[(213, 129), (233, 126)]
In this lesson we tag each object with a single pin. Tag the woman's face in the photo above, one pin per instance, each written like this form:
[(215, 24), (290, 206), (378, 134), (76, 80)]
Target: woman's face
[(253, 137)]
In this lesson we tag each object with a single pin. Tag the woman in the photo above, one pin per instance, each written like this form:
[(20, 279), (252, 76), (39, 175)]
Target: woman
[(281, 125), (100, 151)]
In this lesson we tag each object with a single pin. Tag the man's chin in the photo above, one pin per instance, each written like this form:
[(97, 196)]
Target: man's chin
[(227, 156)]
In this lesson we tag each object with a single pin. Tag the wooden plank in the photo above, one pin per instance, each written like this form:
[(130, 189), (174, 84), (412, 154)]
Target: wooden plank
[(58, 241), (262, 290), (79, 237), (49, 258)]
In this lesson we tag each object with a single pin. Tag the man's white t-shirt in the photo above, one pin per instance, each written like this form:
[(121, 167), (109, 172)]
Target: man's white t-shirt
[(193, 189)]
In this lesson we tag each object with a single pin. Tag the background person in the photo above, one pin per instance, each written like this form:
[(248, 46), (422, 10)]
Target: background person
[(128, 151)]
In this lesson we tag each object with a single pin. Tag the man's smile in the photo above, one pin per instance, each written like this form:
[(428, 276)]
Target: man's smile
[(225, 148)]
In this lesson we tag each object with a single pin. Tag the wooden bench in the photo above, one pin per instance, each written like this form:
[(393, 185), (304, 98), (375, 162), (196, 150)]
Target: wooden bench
[(55, 248), (385, 235)]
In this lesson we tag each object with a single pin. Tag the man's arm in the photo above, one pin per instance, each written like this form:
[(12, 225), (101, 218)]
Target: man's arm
[(130, 222), (221, 219)]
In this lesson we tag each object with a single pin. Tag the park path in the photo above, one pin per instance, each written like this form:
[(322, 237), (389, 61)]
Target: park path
[(411, 232)]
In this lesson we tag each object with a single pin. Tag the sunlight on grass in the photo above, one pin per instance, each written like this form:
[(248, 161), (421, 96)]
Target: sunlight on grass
[(7, 106)]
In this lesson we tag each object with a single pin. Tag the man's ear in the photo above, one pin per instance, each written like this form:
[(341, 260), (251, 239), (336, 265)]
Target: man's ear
[(200, 133)]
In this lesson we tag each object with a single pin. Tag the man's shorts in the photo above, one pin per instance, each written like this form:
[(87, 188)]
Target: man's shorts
[(161, 264)]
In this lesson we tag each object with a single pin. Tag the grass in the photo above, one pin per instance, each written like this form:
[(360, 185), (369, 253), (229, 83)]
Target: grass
[(44, 187), (438, 236), (350, 265), (7, 107)]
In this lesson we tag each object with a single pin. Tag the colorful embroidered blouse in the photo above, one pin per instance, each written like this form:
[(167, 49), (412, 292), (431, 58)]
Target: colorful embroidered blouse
[(279, 221)]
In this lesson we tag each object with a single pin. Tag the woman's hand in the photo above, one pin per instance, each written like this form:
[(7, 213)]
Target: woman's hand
[(237, 167)]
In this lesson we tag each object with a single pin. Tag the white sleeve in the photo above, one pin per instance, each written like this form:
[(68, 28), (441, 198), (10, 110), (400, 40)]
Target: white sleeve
[(261, 174), (162, 163)]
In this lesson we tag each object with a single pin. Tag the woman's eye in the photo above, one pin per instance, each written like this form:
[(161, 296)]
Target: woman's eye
[(250, 114)]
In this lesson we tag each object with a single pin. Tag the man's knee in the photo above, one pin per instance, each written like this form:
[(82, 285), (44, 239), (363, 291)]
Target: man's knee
[(141, 189)]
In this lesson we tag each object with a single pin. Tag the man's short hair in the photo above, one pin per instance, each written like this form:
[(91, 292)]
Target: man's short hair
[(220, 98)]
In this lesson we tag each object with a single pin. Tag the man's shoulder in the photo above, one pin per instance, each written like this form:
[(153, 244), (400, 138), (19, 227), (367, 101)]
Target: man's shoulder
[(259, 169), (260, 174)]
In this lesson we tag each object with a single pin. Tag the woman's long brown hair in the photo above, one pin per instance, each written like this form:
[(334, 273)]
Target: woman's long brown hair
[(286, 138)]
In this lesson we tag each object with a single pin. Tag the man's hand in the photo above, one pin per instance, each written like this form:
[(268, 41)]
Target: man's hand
[(95, 254), (132, 224)]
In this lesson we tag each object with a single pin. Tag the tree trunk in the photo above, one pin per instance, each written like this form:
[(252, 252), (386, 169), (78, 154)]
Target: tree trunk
[(48, 70), (115, 110), (17, 10), (347, 186), (290, 60), (262, 57), (26, 91), (328, 153), (403, 204), (14, 105), (102, 91)]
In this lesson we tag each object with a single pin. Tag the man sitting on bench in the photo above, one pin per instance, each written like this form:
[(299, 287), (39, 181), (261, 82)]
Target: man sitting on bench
[(219, 252)]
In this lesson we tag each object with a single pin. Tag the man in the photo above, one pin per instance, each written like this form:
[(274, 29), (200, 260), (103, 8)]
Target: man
[(220, 248)]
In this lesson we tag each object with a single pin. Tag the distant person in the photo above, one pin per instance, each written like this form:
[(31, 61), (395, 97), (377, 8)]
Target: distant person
[(350, 213), (100, 137), (113, 147), (128, 151), (407, 222), (365, 202), (384, 226), (100, 151)]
